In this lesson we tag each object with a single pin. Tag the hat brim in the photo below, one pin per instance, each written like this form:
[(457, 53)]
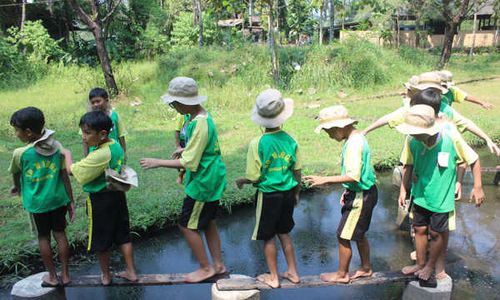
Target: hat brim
[(408, 129), (127, 176), (275, 121), (337, 123), (47, 136), (424, 86), (167, 99)]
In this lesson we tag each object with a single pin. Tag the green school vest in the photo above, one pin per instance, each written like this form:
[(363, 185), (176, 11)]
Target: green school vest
[(42, 187), (209, 181), (277, 153), (367, 178), (435, 186), (116, 155)]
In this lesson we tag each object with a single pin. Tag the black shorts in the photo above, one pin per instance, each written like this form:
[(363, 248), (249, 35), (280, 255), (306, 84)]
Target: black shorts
[(357, 213), (54, 220), (196, 215), (273, 214), (438, 222), (108, 220)]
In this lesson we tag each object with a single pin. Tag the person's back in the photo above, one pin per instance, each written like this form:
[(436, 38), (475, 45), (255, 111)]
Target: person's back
[(357, 150)]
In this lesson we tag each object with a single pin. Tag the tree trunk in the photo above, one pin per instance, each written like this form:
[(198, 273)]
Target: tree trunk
[(418, 37), (102, 53), (474, 25), (398, 42), (272, 45), (331, 29), (449, 35), (250, 18), (198, 20), (321, 9), (23, 14)]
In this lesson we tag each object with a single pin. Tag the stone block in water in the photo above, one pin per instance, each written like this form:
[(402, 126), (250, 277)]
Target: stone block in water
[(442, 292)]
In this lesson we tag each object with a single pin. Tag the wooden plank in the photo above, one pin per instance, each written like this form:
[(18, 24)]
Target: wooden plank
[(311, 281), (144, 279)]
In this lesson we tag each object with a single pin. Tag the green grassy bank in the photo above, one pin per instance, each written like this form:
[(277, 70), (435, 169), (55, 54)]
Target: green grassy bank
[(345, 74)]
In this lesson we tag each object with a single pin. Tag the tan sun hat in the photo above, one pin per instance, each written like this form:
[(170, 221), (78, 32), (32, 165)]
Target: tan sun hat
[(446, 77), (271, 110), (46, 145), (183, 90), (333, 116), (419, 119), (430, 80), (413, 81)]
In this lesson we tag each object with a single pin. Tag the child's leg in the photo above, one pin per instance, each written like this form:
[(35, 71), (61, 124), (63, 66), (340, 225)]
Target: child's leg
[(345, 254), (421, 248), (441, 261), (103, 257), (46, 253), (196, 244), (213, 242), (128, 255), (287, 245), (437, 247), (364, 254), (63, 247), (271, 279)]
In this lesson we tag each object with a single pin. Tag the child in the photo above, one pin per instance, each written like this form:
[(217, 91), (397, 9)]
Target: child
[(360, 196), (40, 178), (455, 94), (107, 210), (432, 152), (205, 178), (273, 167), (99, 101)]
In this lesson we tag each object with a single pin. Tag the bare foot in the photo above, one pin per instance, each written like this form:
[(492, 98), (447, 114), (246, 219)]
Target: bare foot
[(65, 279), (130, 276), (50, 280), (106, 279), (269, 280), (362, 273), (200, 275), (408, 270), (425, 273), (220, 269), (334, 277), (293, 277), (442, 275)]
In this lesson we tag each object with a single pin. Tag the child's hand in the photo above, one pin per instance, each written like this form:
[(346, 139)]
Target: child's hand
[(71, 211), (493, 148), (342, 200), (149, 163), (180, 177), (240, 182), (177, 153), (402, 200), (314, 181), (477, 194), (14, 191), (487, 105), (458, 191)]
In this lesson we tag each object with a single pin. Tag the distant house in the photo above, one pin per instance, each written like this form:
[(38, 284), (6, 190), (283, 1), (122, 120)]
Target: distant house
[(250, 26)]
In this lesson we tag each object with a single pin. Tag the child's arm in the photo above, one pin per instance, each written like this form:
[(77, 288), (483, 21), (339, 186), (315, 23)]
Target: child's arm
[(405, 184), (69, 191), (68, 160), (85, 149), (322, 180), (297, 174), (473, 128), (152, 163), (122, 143), (177, 136), (241, 181), (16, 188), (460, 177), (475, 100), (477, 192), (390, 118)]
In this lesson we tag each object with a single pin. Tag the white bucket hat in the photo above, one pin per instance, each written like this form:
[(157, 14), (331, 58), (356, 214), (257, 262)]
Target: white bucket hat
[(430, 80), (419, 119), (183, 90), (271, 110), (46, 145), (333, 116)]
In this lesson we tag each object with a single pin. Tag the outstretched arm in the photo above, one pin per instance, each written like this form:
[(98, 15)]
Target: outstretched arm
[(477, 193), (152, 163), (475, 100), (322, 180), (405, 184)]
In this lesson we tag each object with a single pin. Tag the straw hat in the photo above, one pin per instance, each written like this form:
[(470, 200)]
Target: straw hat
[(183, 90), (446, 77), (46, 145), (430, 80), (419, 119), (271, 110), (333, 116), (413, 81)]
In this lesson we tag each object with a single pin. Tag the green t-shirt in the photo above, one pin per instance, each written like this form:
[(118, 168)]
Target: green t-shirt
[(435, 168), (271, 160), (205, 178), (42, 186), (355, 161), (89, 171)]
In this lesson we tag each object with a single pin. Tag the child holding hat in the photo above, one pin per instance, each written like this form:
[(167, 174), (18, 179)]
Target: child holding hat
[(204, 180), (273, 167), (360, 195)]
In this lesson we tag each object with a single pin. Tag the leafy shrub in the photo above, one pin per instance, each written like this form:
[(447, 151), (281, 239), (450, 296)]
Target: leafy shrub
[(14, 69), (184, 34)]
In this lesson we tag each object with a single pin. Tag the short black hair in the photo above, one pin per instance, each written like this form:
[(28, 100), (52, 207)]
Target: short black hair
[(98, 92), (96, 120), (28, 117), (430, 97)]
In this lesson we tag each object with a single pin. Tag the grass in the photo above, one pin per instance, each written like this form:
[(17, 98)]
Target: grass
[(231, 80)]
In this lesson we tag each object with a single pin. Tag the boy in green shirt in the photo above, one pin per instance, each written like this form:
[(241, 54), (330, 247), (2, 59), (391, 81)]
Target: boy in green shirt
[(40, 178), (107, 210), (273, 167), (431, 153), (455, 94), (359, 198), (204, 180)]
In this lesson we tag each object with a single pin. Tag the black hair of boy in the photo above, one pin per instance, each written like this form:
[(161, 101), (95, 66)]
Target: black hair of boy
[(28, 118), (430, 97), (96, 120), (98, 92)]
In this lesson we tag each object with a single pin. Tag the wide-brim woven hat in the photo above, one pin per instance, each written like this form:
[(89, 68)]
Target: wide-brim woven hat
[(446, 77), (183, 90), (46, 145), (430, 80), (333, 116), (419, 119), (271, 109)]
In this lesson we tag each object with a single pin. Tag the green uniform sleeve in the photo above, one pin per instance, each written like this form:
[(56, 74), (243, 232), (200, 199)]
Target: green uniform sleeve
[(254, 164), (15, 163), (91, 166), (353, 159), (458, 95), (197, 143), (179, 122), (464, 151), (406, 155), (121, 127)]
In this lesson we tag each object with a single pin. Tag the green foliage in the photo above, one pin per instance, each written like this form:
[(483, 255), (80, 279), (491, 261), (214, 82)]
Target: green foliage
[(14, 69), (299, 19), (416, 57), (153, 42), (185, 34)]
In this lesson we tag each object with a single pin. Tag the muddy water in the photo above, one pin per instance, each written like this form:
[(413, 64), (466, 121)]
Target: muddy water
[(474, 259)]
